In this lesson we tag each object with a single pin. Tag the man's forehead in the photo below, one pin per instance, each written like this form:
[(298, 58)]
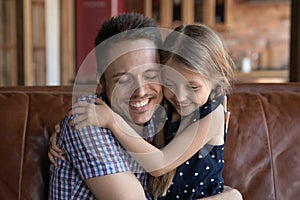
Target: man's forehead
[(135, 63), (136, 70), (123, 47)]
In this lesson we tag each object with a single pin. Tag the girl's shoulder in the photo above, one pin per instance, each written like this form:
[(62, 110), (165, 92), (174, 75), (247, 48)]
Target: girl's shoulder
[(210, 107)]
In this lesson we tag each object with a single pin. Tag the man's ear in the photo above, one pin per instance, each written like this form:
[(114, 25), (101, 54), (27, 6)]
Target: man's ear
[(100, 84)]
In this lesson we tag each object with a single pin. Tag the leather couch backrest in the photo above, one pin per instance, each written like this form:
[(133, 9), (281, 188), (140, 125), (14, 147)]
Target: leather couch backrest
[(27, 118), (262, 149)]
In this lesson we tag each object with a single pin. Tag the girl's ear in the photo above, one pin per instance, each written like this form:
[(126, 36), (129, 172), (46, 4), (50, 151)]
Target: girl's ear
[(213, 93)]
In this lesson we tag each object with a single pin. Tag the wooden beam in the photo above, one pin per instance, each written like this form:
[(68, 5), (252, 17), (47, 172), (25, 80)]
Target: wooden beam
[(38, 72), (209, 12), (20, 44), (228, 12), (148, 8), (27, 34), (295, 42), (8, 48), (188, 11), (24, 42), (13, 41), (166, 13), (67, 42)]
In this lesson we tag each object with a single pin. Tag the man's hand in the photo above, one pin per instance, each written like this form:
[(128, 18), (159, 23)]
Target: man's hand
[(54, 151)]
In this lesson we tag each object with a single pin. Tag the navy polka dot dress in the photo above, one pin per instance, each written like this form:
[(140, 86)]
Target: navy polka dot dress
[(201, 175)]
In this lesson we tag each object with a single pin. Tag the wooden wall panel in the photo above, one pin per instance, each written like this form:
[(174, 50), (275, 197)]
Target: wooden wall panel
[(295, 42), (67, 42), (148, 8), (8, 47), (166, 13), (31, 42), (187, 11), (38, 43)]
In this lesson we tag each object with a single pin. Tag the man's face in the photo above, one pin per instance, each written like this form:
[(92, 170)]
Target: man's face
[(132, 82)]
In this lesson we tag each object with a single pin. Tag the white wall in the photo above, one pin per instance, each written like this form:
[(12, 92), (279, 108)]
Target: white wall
[(52, 42)]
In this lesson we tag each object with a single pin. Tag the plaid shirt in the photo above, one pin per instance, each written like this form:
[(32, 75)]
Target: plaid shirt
[(90, 152)]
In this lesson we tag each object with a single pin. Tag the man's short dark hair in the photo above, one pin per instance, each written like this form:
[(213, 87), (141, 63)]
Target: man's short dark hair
[(126, 26)]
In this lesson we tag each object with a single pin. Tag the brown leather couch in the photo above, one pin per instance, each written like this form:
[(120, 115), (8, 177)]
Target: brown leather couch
[(262, 152)]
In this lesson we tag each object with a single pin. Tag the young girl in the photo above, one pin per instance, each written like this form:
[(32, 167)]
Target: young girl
[(196, 75)]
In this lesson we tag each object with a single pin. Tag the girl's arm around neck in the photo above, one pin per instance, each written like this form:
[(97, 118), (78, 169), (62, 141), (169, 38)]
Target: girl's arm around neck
[(185, 144)]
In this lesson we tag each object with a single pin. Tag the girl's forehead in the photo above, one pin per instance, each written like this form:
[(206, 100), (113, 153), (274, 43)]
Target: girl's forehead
[(179, 72), (180, 69), (181, 75)]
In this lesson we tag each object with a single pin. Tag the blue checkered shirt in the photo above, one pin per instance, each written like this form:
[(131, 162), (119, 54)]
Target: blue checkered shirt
[(90, 152)]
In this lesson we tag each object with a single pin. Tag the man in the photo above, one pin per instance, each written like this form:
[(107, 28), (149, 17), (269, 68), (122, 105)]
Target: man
[(86, 173)]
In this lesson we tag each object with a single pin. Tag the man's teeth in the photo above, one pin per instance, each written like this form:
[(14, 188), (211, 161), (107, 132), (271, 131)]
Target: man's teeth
[(139, 104)]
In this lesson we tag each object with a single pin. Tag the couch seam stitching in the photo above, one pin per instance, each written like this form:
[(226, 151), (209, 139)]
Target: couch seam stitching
[(23, 149), (269, 147)]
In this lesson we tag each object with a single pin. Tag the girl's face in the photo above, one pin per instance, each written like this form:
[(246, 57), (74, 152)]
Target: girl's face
[(185, 89)]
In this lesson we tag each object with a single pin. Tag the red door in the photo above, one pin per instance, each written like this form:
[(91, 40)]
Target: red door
[(89, 15)]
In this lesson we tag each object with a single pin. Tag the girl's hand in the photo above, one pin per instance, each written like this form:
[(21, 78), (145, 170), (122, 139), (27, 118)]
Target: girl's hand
[(94, 113), (54, 151)]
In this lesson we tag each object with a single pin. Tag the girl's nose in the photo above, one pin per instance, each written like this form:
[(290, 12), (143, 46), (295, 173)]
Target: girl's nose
[(181, 94)]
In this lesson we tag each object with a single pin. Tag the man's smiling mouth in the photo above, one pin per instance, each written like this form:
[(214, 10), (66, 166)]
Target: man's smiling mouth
[(139, 104)]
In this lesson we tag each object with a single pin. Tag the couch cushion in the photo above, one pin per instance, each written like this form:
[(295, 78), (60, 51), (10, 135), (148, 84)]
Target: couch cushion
[(263, 144), (13, 121), (27, 120)]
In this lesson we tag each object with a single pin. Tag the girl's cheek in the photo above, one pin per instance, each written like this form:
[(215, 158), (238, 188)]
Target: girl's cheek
[(168, 94), (201, 100)]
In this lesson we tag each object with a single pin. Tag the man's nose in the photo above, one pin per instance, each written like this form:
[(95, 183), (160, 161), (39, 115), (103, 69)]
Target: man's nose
[(140, 91), (140, 87)]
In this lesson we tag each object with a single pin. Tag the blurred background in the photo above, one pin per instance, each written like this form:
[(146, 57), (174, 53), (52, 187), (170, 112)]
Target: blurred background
[(44, 42)]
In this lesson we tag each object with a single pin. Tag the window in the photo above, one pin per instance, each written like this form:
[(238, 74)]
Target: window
[(170, 12), (220, 12)]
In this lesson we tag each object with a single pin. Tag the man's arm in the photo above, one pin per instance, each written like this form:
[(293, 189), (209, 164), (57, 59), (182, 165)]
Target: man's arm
[(101, 162), (116, 186)]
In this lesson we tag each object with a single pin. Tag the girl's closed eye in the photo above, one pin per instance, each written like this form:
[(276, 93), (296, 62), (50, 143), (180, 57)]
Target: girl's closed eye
[(194, 87), (169, 84)]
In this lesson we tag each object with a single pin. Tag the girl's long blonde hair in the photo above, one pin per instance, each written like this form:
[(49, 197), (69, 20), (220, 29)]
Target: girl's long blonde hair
[(158, 186)]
